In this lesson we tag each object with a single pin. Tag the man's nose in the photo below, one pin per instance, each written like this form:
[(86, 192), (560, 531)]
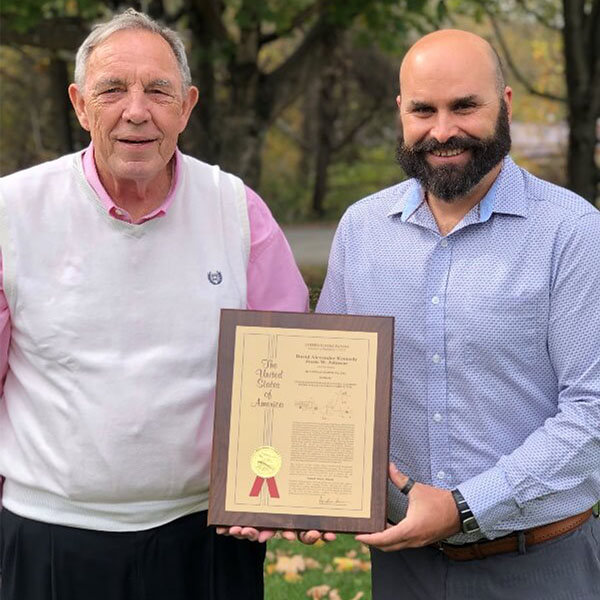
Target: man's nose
[(444, 127), (136, 108)]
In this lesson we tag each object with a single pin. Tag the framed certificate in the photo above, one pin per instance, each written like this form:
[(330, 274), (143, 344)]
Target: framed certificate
[(301, 427)]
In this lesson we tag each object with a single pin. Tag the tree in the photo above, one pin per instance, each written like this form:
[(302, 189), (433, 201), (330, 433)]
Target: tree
[(249, 58), (578, 22)]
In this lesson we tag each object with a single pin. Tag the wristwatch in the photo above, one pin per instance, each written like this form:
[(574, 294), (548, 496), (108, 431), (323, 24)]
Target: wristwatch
[(468, 523)]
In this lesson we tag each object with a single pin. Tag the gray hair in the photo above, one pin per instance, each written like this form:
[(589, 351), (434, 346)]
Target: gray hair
[(130, 19)]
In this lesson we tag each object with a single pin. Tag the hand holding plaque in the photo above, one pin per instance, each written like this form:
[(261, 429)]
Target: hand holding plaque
[(301, 421)]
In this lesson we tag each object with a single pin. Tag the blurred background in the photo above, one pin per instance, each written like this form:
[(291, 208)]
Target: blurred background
[(298, 96)]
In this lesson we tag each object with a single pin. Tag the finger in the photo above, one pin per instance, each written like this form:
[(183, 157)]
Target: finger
[(329, 536), (249, 533), (382, 539), (223, 530), (399, 479), (265, 535), (403, 482), (290, 536), (309, 537)]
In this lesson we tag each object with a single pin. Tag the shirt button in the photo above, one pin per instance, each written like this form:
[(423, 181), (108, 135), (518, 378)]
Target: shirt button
[(444, 243), (436, 358), (441, 474), (435, 300), (437, 417)]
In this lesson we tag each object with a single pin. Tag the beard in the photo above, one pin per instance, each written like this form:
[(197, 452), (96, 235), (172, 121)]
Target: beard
[(451, 182)]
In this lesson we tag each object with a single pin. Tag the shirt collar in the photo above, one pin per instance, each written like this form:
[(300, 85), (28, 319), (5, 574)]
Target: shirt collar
[(91, 174), (506, 196)]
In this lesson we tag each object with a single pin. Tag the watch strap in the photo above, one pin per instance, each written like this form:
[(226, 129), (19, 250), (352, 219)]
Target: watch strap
[(468, 522)]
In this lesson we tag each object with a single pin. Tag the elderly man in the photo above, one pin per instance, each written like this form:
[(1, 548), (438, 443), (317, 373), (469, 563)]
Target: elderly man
[(493, 277), (116, 262)]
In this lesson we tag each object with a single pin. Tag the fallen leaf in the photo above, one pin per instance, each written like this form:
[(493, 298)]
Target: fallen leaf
[(351, 554), (344, 564), (318, 592), (334, 595), (292, 577), (358, 596), (311, 563), (290, 564)]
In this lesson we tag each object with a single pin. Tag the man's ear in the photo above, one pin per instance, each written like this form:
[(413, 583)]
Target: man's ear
[(398, 101), (508, 100), (189, 101), (78, 102)]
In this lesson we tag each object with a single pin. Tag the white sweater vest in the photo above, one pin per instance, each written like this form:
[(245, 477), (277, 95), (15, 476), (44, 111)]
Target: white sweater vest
[(106, 420)]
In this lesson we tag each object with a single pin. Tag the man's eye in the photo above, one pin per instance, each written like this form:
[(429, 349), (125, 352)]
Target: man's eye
[(111, 90), (464, 107), (159, 92)]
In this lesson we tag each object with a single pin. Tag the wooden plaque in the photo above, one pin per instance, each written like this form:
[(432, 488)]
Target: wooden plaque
[(301, 427)]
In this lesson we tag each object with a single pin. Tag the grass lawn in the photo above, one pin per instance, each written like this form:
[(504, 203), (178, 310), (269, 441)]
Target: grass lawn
[(294, 571)]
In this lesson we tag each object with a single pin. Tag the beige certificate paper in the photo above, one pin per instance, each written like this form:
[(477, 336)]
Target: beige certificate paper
[(301, 421), (301, 432)]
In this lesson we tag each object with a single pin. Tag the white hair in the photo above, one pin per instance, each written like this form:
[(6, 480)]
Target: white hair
[(130, 19)]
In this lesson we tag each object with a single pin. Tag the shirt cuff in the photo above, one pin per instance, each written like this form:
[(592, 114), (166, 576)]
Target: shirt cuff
[(491, 500)]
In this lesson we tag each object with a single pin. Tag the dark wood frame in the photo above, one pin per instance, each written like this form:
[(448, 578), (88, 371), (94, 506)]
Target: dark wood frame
[(230, 319)]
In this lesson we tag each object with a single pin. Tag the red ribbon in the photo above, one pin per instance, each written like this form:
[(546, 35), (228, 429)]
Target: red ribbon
[(271, 486)]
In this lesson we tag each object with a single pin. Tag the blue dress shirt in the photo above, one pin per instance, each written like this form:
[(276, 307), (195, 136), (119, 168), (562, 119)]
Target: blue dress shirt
[(496, 383)]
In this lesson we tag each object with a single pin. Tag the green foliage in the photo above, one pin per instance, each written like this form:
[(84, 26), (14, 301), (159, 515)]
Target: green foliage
[(23, 15), (313, 277)]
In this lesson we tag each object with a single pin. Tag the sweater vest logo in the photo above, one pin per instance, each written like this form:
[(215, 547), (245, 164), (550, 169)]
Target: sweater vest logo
[(215, 277)]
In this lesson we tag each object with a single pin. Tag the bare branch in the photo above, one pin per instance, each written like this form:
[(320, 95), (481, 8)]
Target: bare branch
[(296, 22), (539, 17), (356, 127), (515, 70)]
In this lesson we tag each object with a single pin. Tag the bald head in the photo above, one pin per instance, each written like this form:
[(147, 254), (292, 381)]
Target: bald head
[(453, 48)]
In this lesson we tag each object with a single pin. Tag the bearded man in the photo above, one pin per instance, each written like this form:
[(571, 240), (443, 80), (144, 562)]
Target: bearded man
[(493, 277)]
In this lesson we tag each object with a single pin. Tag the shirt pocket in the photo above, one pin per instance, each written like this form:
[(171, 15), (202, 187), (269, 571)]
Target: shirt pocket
[(501, 331)]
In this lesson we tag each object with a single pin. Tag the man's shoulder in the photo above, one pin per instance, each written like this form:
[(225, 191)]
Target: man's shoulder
[(545, 195), (381, 202), (198, 167), (41, 173)]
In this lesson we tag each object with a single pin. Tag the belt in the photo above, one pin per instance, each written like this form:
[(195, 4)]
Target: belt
[(514, 541)]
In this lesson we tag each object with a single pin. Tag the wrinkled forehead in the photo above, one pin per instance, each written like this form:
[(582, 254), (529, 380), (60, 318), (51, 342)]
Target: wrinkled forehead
[(134, 50)]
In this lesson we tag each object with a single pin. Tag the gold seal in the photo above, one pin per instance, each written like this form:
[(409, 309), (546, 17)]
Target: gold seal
[(265, 462)]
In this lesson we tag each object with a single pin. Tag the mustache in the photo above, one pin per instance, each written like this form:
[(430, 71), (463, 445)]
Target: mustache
[(453, 143)]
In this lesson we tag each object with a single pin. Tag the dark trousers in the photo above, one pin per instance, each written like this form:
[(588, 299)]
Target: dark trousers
[(182, 560)]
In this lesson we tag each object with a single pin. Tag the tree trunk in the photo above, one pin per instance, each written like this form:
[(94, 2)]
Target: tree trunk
[(58, 82), (327, 114), (582, 65)]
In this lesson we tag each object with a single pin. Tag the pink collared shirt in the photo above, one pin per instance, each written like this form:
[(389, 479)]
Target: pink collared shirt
[(274, 282)]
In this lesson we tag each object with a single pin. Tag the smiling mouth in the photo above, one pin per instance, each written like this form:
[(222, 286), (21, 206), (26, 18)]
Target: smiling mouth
[(447, 153), (139, 142)]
